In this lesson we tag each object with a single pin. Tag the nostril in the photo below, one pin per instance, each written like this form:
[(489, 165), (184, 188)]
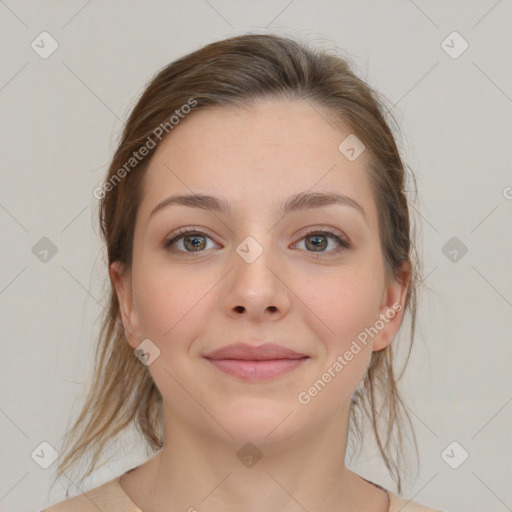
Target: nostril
[(240, 309)]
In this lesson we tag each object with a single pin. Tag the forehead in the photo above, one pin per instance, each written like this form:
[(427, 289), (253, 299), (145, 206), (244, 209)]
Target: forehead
[(256, 156)]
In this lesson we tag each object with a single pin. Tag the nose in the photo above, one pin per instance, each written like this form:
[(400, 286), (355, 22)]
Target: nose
[(256, 289)]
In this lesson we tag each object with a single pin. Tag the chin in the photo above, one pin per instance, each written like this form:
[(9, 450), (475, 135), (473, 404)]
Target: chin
[(260, 425)]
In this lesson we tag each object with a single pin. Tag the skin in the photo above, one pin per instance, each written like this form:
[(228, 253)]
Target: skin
[(187, 304)]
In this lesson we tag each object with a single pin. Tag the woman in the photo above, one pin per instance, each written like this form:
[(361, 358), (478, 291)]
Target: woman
[(261, 263)]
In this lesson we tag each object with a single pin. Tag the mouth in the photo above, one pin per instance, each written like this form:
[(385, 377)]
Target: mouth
[(248, 362), (257, 370)]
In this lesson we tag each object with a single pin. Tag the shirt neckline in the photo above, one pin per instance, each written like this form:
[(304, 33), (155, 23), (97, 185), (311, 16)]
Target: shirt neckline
[(388, 493), (124, 494), (135, 508)]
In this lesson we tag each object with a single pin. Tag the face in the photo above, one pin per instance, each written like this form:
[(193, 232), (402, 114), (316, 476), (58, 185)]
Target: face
[(310, 278)]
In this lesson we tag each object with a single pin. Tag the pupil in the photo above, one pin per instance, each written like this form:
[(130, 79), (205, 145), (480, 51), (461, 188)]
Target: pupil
[(317, 241), (195, 240)]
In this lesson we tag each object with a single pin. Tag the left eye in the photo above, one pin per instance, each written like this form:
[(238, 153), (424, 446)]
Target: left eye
[(319, 240)]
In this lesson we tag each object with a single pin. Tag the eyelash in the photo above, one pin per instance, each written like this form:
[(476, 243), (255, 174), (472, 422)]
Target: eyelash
[(344, 243)]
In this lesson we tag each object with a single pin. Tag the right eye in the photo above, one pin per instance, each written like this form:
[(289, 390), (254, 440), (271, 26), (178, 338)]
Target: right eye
[(190, 241)]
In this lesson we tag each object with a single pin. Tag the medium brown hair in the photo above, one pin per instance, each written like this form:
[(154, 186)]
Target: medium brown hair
[(240, 71)]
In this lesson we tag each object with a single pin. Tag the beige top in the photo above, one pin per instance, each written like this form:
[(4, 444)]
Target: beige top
[(111, 497)]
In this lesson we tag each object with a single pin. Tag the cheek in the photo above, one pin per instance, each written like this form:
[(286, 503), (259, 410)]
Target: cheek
[(346, 302), (172, 305), (346, 307), (172, 309)]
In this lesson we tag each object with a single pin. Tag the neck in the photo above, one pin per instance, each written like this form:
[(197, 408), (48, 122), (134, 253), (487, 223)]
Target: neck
[(198, 471)]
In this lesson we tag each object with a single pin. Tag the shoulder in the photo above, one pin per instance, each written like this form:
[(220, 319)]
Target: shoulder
[(397, 503), (107, 497)]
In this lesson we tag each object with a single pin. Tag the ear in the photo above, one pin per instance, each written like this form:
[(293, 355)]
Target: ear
[(391, 310), (121, 282)]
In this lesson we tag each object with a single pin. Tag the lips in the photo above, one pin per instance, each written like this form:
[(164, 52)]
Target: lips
[(245, 352), (248, 362)]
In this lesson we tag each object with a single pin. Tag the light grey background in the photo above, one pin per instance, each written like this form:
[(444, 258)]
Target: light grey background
[(62, 115)]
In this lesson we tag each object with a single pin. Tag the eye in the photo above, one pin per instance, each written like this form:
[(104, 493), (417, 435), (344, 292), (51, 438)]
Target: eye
[(318, 240), (190, 239)]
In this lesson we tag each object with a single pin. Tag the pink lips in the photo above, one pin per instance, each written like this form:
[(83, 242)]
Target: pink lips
[(255, 363)]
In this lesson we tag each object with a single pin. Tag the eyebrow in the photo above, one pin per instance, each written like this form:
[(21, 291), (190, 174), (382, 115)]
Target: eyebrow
[(297, 202)]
